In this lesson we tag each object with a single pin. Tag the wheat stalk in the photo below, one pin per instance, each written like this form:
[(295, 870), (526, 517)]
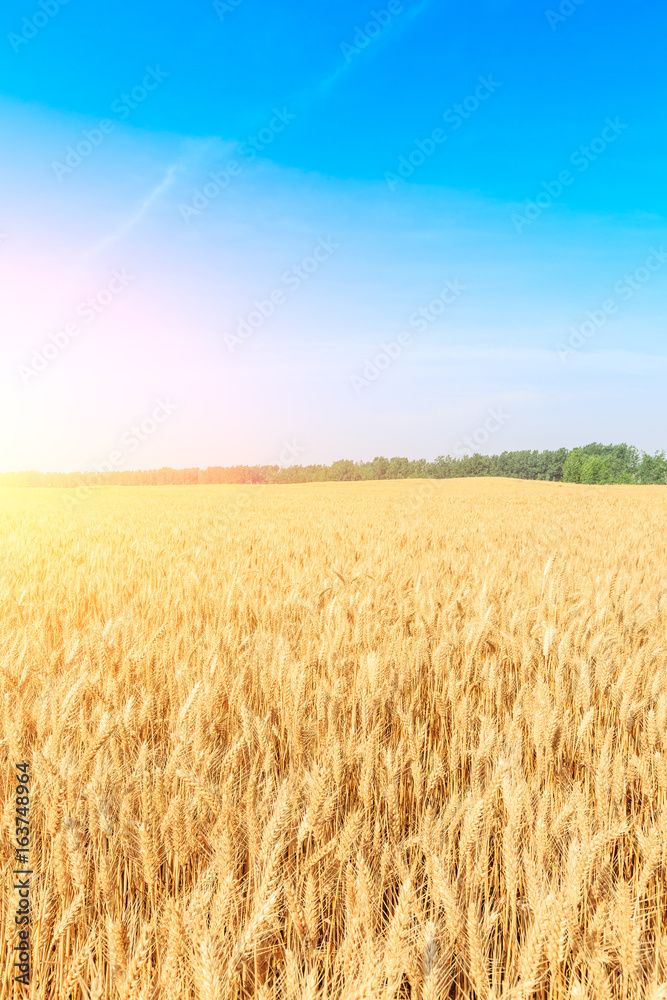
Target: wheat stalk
[(353, 744)]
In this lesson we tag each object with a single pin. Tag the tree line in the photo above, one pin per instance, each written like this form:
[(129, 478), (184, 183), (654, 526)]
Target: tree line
[(592, 463)]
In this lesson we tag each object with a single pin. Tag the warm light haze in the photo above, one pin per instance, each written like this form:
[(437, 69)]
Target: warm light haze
[(363, 162)]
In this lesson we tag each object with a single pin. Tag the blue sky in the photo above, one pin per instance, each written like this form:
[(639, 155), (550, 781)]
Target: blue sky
[(159, 99)]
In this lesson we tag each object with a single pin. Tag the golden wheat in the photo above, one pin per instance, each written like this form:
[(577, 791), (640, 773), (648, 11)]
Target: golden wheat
[(355, 740)]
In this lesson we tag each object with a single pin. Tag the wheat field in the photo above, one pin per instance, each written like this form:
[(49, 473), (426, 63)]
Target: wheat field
[(351, 740)]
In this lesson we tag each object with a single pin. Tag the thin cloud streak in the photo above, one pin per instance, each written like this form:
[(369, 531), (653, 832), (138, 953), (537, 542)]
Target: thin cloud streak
[(322, 89), (128, 226)]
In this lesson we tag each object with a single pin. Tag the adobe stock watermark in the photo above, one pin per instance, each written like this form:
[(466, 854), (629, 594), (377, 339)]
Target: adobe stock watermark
[(133, 438), (31, 26), (565, 9), (222, 7), (454, 116), (418, 320), (88, 310), (221, 179), (131, 441), (581, 158), (293, 278), (626, 287), (94, 137), (497, 418), (419, 494), (289, 454)]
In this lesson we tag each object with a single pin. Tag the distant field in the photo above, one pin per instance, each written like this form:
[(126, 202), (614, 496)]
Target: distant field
[(347, 740)]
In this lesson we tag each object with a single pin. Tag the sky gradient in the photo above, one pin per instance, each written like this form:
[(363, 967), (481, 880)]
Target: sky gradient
[(253, 215)]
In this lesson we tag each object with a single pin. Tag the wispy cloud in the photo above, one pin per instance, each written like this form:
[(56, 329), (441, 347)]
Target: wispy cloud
[(374, 43), (128, 226)]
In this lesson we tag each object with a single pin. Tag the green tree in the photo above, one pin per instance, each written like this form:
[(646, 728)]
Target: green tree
[(344, 470), (597, 469), (652, 469), (572, 466), (620, 472)]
